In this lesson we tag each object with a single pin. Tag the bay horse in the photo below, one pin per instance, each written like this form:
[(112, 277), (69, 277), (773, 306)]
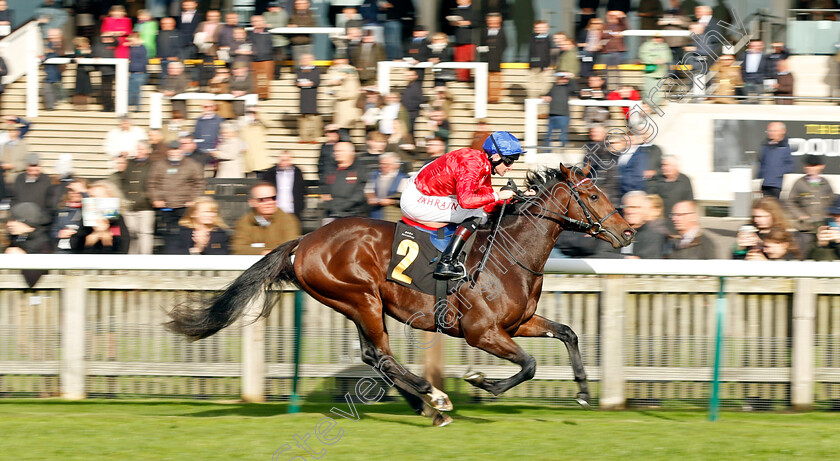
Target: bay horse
[(343, 265)]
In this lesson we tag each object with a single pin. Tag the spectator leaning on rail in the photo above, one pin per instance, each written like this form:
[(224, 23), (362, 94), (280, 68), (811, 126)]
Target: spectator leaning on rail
[(172, 185), (264, 227), (776, 160), (648, 243), (201, 231), (456, 188), (767, 216), (809, 199), (784, 82), (827, 244), (690, 242)]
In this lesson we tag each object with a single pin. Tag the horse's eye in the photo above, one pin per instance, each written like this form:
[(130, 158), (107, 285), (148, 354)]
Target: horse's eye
[(593, 197)]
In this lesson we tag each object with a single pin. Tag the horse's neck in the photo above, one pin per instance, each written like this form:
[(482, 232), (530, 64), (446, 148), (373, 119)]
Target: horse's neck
[(534, 236)]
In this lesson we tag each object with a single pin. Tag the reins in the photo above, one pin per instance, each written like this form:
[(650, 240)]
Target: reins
[(586, 226)]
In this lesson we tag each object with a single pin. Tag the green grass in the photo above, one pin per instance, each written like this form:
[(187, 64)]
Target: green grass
[(189, 430)]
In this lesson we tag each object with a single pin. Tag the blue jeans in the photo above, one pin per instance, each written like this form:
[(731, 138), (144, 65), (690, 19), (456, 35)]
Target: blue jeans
[(558, 122), (135, 81), (393, 40)]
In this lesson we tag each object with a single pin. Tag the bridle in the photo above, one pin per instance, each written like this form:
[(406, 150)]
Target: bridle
[(587, 213)]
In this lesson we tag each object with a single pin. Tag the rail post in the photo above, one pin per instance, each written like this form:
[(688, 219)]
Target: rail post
[(294, 406), (803, 349), (612, 343), (72, 366)]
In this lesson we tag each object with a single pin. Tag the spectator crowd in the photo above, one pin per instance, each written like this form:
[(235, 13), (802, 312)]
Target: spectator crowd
[(160, 175)]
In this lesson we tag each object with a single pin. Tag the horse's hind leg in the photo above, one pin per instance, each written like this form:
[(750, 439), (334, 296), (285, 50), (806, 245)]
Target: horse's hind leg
[(371, 356), (499, 343), (539, 326)]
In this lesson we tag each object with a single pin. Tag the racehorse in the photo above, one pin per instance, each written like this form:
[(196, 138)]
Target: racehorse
[(343, 265)]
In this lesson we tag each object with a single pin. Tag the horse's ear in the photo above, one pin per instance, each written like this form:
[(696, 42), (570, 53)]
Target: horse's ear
[(563, 170), (586, 167)]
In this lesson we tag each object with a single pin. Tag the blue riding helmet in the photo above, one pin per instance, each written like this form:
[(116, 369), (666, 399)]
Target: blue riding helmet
[(502, 143)]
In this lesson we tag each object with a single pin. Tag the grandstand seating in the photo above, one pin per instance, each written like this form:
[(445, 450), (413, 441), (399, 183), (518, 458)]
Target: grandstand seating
[(67, 130)]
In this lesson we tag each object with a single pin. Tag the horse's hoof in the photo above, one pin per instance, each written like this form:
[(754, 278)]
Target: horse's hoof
[(583, 400), (438, 400), (441, 420), (474, 377)]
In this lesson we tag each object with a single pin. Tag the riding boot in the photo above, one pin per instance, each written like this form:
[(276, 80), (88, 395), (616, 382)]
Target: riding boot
[(448, 267)]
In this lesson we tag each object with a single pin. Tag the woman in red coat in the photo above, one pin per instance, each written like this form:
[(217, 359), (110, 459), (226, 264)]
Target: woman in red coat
[(118, 25)]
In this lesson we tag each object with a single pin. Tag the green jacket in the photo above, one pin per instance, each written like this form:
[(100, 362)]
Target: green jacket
[(148, 34), (650, 52), (568, 61)]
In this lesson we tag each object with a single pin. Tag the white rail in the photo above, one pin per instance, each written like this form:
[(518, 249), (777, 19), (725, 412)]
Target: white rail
[(704, 268)]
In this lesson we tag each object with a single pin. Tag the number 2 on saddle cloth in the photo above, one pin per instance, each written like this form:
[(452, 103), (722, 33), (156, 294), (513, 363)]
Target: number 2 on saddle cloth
[(415, 253)]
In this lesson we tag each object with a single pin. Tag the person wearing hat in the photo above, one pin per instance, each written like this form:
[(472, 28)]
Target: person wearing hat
[(810, 197), (826, 246), (13, 148), (26, 231), (456, 188), (33, 185)]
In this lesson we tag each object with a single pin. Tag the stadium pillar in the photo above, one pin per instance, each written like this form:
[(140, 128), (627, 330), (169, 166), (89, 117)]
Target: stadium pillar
[(253, 353), (612, 343), (803, 350), (72, 369)]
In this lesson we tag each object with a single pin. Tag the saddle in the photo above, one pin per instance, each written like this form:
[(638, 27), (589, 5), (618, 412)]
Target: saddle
[(415, 253)]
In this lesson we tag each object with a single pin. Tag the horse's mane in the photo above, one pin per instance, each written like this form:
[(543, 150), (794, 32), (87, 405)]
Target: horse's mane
[(542, 179)]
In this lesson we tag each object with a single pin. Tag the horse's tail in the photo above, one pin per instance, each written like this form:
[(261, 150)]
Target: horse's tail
[(196, 321)]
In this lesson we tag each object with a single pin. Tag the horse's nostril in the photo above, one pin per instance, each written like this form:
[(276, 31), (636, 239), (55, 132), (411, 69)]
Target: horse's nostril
[(628, 233)]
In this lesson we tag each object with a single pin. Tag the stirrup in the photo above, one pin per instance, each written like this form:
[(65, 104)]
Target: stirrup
[(450, 270)]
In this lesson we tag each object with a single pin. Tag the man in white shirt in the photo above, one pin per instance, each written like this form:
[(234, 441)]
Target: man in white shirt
[(122, 140)]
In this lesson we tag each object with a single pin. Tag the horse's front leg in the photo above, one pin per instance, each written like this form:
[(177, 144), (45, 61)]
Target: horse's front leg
[(499, 343), (541, 327)]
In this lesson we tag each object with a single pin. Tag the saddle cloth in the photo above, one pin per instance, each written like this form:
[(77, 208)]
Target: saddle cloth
[(414, 255)]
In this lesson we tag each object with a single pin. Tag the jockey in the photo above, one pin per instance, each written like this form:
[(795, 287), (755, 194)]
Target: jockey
[(456, 188)]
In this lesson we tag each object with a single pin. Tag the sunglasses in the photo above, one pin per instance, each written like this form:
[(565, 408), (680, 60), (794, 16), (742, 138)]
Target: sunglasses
[(509, 159), (271, 198)]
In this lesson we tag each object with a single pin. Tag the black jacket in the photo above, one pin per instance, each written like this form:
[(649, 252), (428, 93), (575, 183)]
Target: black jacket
[(559, 104), (169, 44), (309, 95), (262, 46), (648, 243), (419, 49), (298, 187), (119, 245), (412, 96), (497, 44), (539, 53), (180, 243), (671, 192), (464, 34), (347, 188)]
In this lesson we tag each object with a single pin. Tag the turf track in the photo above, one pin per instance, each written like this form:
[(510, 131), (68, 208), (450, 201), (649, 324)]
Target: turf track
[(189, 430)]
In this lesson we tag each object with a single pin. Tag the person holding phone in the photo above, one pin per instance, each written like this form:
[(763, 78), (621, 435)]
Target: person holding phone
[(767, 215), (827, 244)]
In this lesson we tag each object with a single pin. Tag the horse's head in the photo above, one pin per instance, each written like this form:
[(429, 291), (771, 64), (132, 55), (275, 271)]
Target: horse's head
[(580, 205)]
